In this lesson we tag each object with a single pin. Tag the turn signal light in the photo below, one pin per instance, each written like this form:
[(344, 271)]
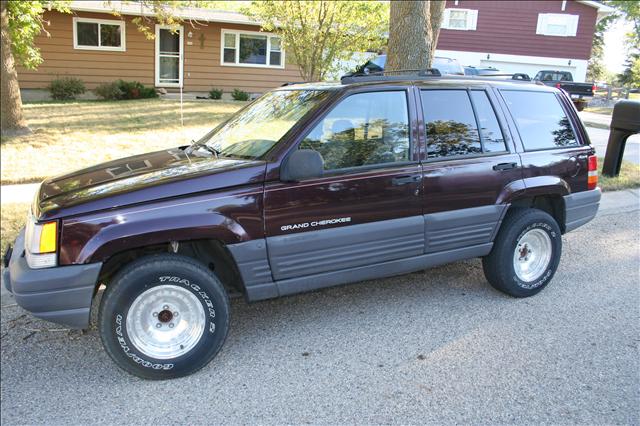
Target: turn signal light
[(48, 237), (592, 177)]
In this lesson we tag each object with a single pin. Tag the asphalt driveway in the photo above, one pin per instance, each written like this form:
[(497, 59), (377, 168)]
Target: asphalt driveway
[(438, 346)]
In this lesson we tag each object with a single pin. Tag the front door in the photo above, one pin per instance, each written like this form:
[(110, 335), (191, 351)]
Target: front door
[(366, 209), (169, 56), (469, 163)]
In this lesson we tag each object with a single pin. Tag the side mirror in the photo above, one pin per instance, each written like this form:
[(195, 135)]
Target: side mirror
[(302, 164), (625, 122)]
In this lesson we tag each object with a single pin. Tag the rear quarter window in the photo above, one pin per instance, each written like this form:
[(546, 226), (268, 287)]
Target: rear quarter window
[(542, 122)]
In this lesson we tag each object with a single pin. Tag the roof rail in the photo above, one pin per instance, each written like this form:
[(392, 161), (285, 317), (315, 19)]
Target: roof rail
[(516, 76), (391, 75)]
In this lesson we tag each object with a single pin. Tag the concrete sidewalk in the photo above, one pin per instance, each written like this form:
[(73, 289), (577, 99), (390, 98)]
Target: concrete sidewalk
[(592, 119)]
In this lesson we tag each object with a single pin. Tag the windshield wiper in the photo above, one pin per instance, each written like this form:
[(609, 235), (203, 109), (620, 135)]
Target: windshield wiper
[(197, 145)]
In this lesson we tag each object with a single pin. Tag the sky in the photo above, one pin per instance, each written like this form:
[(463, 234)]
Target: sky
[(615, 51)]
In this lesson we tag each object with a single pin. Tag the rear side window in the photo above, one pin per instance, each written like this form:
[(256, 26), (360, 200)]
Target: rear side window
[(452, 126), (490, 132), (541, 121)]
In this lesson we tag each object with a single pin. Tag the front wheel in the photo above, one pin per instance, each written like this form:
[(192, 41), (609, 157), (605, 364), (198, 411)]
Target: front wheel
[(163, 317), (525, 254)]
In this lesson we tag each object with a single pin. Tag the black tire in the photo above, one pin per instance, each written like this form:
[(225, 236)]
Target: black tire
[(499, 264), (166, 270)]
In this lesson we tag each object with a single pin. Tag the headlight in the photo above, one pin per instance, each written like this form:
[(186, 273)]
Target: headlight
[(41, 243)]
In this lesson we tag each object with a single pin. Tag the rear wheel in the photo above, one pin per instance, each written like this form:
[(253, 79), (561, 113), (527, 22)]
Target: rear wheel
[(526, 253), (164, 316)]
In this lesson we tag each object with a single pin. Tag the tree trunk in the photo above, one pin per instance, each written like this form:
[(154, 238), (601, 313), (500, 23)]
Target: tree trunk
[(413, 34), (12, 121)]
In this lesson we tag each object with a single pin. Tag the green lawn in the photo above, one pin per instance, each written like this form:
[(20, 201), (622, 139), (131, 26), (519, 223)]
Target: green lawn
[(72, 135)]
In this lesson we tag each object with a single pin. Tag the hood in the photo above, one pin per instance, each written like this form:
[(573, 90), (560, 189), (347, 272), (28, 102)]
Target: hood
[(144, 177)]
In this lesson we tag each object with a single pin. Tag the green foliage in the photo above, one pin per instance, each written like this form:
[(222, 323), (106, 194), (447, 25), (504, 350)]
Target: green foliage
[(25, 23), (319, 34), (120, 90), (66, 88), (596, 69), (630, 11), (239, 95), (108, 91), (215, 94)]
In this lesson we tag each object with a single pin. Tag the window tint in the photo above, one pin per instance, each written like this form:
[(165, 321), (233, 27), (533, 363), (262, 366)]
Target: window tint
[(541, 120), (492, 138), (451, 125), (363, 129)]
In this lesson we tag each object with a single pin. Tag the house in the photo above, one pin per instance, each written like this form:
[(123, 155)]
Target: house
[(211, 49), (521, 36)]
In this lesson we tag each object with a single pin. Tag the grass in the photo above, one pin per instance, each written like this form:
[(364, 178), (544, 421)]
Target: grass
[(629, 177), (600, 110), (12, 218), (73, 135)]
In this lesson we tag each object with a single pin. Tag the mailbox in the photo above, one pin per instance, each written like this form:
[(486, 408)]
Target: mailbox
[(625, 122)]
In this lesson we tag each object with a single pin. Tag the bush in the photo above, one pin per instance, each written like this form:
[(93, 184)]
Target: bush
[(108, 91), (135, 90), (66, 88), (215, 94), (240, 95), (121, 89)]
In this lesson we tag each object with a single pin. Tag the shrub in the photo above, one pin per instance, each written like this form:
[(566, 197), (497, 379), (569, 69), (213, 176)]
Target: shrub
[(66, 88), (240, 95), (135, 90), (121, 89), (108, 91), (215, 94)]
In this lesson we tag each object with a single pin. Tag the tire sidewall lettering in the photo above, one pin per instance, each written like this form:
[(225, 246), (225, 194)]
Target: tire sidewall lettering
[(127, 347)]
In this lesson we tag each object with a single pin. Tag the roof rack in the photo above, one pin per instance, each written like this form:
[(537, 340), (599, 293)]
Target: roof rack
[(395, 75), (516, 76)]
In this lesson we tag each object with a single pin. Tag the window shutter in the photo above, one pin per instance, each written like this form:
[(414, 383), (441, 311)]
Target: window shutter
[(542, 23), (572, 28), (445, 19), (472, 19)]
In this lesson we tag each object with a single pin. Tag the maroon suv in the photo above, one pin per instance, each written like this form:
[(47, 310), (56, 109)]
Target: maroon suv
[(309, 186)]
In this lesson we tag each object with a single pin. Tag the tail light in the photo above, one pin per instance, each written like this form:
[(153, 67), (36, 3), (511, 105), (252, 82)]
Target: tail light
[(594, 88), (558, 85), (592, 177)]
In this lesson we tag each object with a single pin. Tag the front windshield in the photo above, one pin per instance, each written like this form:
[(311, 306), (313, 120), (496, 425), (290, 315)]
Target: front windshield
[(252, 132)]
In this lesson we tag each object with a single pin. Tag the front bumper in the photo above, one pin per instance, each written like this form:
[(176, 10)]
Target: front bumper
[(62, 294), (580, 208)]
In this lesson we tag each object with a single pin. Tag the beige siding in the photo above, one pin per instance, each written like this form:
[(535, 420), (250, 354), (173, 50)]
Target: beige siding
[(202, 69)]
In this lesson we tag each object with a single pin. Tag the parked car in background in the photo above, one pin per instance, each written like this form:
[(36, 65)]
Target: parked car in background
[(446, 66), (471, 70), (310, 186), (580, 93)]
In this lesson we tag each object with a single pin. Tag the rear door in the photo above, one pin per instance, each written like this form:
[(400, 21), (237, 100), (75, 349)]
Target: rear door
[(471, 162), (367, 207)]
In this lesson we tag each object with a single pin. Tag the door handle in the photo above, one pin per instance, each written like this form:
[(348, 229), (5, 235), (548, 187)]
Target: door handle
[(404, 180), (505, 166)]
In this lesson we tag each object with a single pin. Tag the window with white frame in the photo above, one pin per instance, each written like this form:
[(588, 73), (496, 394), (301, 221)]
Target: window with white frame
[(557, 24), (98, 34), (460, 19), (251, 49)]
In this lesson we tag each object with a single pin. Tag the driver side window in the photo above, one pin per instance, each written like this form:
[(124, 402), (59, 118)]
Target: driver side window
[(363, 129)]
